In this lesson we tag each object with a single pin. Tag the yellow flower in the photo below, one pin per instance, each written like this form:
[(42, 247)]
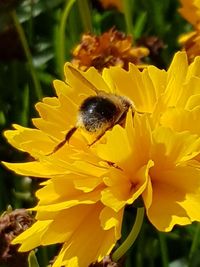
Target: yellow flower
[(154, 156), (190, 10)]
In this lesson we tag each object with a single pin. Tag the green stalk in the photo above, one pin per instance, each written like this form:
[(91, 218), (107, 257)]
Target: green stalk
[(85, 14), (61, 41), (195, 243), (32, 260), (38, 89), (164, 252), (124, 247), (24, 114), (128, 16)]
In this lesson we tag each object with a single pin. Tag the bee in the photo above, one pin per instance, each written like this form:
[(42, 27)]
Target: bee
[(98, 113)]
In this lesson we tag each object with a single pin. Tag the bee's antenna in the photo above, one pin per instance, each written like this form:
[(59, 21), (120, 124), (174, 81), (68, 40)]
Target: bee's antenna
[(82, 78)]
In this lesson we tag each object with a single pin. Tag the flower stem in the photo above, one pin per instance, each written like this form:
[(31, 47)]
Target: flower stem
[(128, 16), (163, 247), (61, 41), (85, 15), (38, 89), (124, 247), (195, 243)]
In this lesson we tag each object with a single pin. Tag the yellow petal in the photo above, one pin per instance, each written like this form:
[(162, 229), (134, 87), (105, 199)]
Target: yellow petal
[(182, 120), (116, 194), (29, 140), (189, 89), (51, 113), (51, 129), (142, 91), (90, 251), (180, 61), (35, 169), (84, 82), (194, 69), (111, 219), (193, 102), (31, 238), (148, 193), (76, 94), (176, 198), (159, 80), (117, 141), (176, 76), (119, 194), (123, 146), (171, 148)]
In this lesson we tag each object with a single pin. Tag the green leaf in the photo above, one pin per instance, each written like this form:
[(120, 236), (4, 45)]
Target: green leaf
[(31, 8), (140, 24)]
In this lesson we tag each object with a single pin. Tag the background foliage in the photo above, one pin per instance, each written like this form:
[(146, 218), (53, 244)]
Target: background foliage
[(36, 37)]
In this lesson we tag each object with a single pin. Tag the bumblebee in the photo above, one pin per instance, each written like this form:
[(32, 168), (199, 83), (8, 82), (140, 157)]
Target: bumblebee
[(98, 113)]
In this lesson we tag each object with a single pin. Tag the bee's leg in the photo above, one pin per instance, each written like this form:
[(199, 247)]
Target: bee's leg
[(98, 137), (67, 137), (120, 120), (70, 133), (112, 164)]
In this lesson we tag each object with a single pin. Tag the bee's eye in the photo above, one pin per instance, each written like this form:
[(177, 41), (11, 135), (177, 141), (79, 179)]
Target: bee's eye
[(97, 109)]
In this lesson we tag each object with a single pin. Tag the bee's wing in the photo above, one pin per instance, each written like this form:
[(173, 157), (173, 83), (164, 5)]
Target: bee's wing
[(83, 79)]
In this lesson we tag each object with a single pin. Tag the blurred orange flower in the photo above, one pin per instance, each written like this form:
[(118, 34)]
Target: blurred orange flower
[(112, 3), (112, 48)]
